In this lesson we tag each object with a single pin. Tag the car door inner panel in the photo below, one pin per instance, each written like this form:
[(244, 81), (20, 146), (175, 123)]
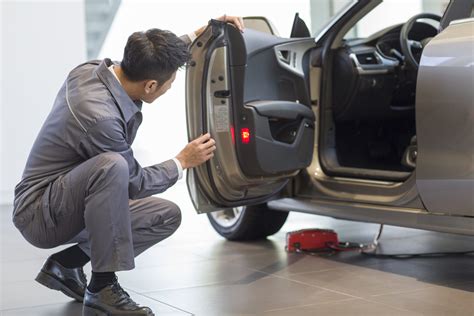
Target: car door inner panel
[(254, 100)]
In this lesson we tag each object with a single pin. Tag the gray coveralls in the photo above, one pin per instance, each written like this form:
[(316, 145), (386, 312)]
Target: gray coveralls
[(81, 183)]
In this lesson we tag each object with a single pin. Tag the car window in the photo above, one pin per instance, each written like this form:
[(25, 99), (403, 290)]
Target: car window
[(391, 12), (317, 14), (324, 13)]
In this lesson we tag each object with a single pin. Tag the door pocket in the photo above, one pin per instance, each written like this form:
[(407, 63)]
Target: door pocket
[(283, 138)]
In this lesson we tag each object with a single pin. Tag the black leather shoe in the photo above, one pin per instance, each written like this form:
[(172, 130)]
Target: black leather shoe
[(71, 282), (112, 301)]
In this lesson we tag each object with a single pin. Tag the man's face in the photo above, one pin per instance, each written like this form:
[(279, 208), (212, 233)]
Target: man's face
[(153, 90)]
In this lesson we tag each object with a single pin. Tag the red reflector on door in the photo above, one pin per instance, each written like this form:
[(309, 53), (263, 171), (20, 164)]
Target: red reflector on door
[(232, 134), (245, 134)]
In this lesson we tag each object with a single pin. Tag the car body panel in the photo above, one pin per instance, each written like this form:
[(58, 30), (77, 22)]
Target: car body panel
[(398, 216), (445, 121)]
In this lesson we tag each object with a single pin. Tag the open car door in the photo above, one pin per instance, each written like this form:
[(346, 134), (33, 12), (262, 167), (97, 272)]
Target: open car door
[(445, 120), (250, 92)]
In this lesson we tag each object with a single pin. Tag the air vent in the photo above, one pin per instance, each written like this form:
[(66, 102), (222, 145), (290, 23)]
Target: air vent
[(284, 55), (367, 59)]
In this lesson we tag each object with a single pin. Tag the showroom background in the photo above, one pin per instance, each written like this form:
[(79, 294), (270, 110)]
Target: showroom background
[(41, 41)]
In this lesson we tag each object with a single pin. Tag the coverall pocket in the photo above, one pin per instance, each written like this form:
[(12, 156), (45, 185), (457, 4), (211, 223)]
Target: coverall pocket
[(52, 202)]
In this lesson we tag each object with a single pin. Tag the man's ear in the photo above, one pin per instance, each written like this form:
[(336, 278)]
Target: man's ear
[(151, 86)]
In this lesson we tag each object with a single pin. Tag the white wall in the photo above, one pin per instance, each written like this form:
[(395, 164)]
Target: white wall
[(1, 100), (40, 42)]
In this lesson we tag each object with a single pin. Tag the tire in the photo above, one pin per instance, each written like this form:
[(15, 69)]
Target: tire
[(247, 223)]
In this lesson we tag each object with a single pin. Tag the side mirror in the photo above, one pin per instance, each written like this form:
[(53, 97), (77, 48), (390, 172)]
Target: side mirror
[(261, 24), (299, 28)]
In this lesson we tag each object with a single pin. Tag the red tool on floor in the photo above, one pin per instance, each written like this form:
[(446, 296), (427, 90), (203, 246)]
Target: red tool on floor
[(325, 241), (316, 240)]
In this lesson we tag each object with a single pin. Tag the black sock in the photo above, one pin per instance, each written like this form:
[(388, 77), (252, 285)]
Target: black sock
[(72, 257), (99, 280)]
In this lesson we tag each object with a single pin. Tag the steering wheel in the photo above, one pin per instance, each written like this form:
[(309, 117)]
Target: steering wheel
[(406, 44)]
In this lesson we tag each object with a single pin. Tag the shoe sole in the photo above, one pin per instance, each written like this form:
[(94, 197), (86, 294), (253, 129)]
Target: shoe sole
[(91, 311), (53, 283)]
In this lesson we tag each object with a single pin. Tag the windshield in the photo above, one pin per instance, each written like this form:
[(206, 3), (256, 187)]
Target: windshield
[(391, 12)]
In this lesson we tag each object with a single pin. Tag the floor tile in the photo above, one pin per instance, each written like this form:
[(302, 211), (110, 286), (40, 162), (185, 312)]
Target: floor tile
[(159, 308), (69, 309), (358, 281), (279, 262), (24, 270), (434, 300), (185, 275), (245, 298), (75, 308), (353, 307), (29, 293), (163, 256)]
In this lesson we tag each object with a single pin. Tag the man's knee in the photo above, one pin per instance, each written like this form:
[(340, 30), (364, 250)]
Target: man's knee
[(154, 219), (169, 215), (175, 215), (112, 164)]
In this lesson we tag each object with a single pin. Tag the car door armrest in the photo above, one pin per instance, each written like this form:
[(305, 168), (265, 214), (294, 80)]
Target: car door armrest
[(282, 109)]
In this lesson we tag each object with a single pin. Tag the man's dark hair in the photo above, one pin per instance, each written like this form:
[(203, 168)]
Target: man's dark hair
[(154, 54)]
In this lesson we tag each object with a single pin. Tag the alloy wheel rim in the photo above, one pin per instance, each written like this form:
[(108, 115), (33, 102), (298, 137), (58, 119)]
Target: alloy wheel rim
[(227, 217)]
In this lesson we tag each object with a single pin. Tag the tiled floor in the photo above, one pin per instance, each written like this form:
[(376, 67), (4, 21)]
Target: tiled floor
[(197, 272)]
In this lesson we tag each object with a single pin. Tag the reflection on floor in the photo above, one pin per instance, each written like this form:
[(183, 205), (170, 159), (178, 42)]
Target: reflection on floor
[(197, 272)]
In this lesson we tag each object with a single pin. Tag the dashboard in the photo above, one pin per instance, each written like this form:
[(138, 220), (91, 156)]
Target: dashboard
[(370, 79)]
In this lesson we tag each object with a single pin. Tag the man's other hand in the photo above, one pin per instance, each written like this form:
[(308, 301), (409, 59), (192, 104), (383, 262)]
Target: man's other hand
[(197, 152)]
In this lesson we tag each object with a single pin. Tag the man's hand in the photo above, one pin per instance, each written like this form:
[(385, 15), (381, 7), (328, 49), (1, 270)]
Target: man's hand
[(236, 20), (197, 152)]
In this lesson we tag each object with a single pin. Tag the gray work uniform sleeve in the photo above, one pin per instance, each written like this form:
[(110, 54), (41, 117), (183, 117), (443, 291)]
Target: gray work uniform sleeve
[(186, 39), (108, 136)]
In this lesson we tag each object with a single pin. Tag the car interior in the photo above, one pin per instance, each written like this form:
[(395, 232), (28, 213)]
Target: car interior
[(368, 125), (367, 100), (365, 89), (367, 111), (373, 108)]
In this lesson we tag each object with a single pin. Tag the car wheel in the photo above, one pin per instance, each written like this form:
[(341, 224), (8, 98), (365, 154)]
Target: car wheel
[(247, 222)]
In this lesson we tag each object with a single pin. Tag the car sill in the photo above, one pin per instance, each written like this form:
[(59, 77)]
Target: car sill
[(406, 217)]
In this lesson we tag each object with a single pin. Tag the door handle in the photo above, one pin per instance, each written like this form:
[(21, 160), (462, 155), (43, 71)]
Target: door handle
[(282, 109)]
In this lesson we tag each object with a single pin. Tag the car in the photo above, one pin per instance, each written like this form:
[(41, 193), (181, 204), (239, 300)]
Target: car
[(375, 129)]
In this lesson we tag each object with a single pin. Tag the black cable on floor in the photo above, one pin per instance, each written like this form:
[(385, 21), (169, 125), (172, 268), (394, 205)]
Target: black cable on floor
[(418, 255)]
